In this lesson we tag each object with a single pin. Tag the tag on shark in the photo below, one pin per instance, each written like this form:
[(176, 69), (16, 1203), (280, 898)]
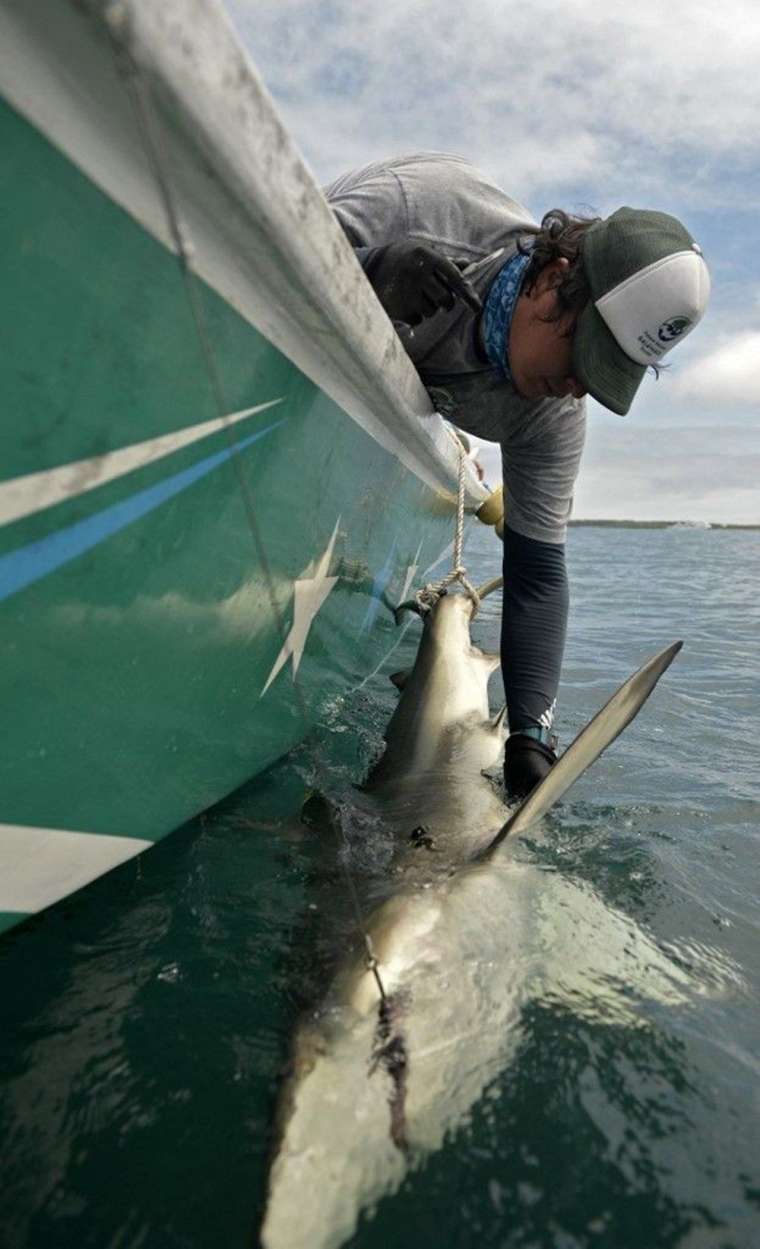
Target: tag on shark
[(597, 735)]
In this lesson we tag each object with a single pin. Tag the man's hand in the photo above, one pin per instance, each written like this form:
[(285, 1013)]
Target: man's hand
[(526, 762), (412, 281)]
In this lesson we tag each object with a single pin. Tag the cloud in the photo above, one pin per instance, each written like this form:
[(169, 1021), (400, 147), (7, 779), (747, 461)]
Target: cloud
[(578, 105), (598, 101), (728, 375), (670, 473)]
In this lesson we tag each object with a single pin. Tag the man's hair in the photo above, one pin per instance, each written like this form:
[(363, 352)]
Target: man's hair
[(560, 235)]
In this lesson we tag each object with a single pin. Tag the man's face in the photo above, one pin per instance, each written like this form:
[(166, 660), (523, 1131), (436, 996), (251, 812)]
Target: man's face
[(540, 352)]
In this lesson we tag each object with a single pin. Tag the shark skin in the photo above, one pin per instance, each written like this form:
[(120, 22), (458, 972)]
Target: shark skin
[(468, 931)]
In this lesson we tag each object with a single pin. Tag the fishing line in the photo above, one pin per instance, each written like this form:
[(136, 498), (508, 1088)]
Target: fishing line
[(139, 93), (142, 106)]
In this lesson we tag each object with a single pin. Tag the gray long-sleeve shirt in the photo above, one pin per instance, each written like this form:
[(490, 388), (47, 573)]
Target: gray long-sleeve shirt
[(442, 200)]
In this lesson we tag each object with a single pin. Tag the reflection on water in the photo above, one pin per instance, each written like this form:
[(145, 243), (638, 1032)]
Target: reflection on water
[(146, 1020)]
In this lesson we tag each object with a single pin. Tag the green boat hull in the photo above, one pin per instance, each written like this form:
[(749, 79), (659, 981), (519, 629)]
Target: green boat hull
[(180, 595)]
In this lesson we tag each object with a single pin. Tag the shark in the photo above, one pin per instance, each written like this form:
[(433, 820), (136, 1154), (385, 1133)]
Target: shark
[(462, 931)]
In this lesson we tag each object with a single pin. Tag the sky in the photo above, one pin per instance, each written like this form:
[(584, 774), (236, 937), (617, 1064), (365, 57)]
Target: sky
[(586, 107)]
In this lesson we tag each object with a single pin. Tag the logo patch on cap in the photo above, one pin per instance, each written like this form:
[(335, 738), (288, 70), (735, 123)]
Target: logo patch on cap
[(673, 328), (633, 309)]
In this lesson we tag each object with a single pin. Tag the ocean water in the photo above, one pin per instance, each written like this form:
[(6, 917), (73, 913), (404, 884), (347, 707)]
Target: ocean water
[(145, 1020)]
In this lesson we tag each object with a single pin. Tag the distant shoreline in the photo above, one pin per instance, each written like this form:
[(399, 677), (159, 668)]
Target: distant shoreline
[(658, 524)]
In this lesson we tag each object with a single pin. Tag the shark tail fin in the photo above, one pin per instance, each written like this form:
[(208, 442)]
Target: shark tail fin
[(598, 734)]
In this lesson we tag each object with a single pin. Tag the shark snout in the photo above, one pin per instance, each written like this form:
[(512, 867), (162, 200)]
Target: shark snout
[(451, 618)]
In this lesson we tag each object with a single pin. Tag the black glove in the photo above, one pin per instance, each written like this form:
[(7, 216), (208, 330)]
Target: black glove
[(412, 281), (526, 762)]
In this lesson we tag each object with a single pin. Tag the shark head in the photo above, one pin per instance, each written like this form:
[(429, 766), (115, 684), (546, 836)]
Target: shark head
[(441, 728)]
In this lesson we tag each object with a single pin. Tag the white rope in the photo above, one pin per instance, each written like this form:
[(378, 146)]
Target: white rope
[(428, 596)]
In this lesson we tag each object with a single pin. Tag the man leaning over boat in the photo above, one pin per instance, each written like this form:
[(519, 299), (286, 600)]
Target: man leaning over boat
[(510, 324)]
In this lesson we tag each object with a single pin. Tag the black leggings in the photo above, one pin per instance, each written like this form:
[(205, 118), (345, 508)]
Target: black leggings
[(533, 627)]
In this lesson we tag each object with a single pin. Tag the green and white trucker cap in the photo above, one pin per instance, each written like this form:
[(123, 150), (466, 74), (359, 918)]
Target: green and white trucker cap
[(649, 288)]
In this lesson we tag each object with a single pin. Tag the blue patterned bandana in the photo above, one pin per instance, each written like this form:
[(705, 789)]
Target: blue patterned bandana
[(499, 306)]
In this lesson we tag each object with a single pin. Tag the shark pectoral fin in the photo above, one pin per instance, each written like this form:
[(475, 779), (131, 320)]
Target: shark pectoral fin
[(410, 605), (400, 678), (488, 658), (597, 735)]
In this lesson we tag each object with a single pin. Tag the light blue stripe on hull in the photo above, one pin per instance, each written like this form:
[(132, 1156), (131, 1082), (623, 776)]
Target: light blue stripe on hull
[(30, 563)]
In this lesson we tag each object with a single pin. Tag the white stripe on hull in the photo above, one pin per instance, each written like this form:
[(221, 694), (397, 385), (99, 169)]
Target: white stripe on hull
[(21, 496), (40, 865), (262, 235)]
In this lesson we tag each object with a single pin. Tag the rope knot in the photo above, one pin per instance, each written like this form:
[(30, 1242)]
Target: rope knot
[(428, 596)]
